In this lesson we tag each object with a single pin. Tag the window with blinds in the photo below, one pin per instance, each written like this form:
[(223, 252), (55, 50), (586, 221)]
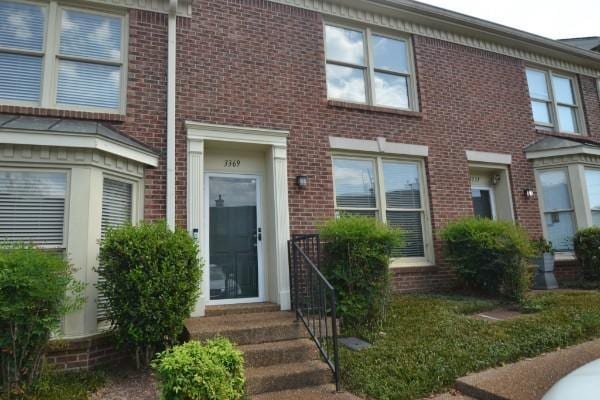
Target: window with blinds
[(32, 207), (87, 60), (117, 208), (391, 190)]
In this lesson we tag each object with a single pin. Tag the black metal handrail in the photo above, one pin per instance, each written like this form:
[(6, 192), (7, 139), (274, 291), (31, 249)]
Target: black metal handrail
[(314, 299)]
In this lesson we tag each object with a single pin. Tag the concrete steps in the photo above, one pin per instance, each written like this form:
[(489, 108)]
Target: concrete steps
[(278, 354)]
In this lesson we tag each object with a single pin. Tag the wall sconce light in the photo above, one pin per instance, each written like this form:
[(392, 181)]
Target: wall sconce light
[(302, 181), (495, 179), (528, 193)]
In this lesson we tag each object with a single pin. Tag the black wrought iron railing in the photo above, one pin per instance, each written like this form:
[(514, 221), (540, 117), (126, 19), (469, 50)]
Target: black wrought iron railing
[(314, 299)]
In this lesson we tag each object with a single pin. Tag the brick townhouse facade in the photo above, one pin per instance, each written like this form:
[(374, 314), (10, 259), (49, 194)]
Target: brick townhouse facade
[(284, 114)]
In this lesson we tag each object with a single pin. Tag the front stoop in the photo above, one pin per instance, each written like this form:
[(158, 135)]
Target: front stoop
[(280, 358)]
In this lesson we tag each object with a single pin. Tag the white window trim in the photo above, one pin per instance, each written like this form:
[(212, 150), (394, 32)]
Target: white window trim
[(403, 262), (67, 173), (553, 104), (50, 53), (369, 65)]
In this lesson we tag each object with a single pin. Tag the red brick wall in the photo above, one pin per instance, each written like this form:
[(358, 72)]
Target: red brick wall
[(83, 354)]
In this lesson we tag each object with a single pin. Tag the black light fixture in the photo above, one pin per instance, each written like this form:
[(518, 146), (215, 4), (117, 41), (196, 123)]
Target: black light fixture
[(302, 181), (528, 192)]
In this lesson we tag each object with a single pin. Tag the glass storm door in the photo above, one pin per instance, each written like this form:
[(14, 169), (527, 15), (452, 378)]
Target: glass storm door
[(234, 238), (483, 202)]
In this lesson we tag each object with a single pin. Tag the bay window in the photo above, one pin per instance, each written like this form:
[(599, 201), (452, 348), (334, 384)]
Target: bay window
[(554, 101), (559, 213), (56, 56), (369, 68), (392, 190)]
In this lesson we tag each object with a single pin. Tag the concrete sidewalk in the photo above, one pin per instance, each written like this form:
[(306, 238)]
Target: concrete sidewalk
[(528, 379)]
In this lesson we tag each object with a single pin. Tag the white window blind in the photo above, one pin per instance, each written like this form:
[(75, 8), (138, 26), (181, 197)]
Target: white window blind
[(32, 207), (22, 30), (117, 203)]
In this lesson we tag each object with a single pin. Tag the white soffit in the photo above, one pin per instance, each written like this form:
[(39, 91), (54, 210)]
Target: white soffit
[(381, 145), (78, 141), (184, 7), (491, 158)]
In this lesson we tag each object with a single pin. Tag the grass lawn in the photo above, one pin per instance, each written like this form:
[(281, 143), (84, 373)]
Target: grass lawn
[(428, 341)]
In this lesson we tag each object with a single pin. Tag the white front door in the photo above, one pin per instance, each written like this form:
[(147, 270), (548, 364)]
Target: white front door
[(233, 237)]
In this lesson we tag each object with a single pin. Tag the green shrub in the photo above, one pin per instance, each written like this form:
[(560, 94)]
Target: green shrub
[(151, 282), (587, 249), (490, 256), (356, 262), (37, 288), (195, 371)]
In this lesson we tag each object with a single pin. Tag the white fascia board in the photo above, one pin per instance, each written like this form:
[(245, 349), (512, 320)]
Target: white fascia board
[(490, 158), (78, 141), (378, 146), (226, 133), (569, 151)]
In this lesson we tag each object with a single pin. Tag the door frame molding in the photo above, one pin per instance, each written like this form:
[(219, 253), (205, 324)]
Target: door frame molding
[(275, 144), (259, 244)]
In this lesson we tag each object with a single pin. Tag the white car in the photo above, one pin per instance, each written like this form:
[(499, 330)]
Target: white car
[(581, 384)]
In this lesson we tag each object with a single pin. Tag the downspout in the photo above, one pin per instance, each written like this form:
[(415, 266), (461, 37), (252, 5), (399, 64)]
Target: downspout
[(171, 94)]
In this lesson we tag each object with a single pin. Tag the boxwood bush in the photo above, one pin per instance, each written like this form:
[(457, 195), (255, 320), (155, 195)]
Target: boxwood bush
[(151, 282), (587, 249), (489, 256), (37, 289), (213, 370), (356, 262)]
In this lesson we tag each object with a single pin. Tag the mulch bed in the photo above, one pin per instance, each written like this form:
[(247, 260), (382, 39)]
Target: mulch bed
[(128, 384)]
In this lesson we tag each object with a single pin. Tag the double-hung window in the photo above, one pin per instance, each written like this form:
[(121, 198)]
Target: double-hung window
[(554, 101), (392, 190), (369, 68), (559, 213), (32, 207), (57, 56)]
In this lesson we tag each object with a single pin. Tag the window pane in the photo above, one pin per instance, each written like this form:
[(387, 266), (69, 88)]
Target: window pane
[(20, 77), (87, 84), (391, 90), (563, 90), (390, 54), (90, 35), (361, 213), (22, 26), (538, 87), (345, 83), (592, 178), (411, 224), (596, 217), (561, 229), (567, 119), (541, 113), (32, 207), (344, 45), (354, 183), (555, 190), (402, 187)]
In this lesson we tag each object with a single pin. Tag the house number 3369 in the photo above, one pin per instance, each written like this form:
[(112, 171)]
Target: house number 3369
[(232, 163)]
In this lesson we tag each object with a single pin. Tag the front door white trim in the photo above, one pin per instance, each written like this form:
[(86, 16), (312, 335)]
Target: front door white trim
[(275, 144), (492, 197), (259, 243)]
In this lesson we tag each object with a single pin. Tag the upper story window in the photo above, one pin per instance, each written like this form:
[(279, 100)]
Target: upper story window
[(56, 56), (555, 101), (369, 68)]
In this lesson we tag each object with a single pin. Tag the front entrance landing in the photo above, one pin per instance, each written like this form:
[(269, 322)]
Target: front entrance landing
[(281, 361)]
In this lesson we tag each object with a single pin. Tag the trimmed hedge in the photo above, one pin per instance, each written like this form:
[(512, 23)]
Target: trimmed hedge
[(587, 249), (356, 262), (213, 370), (151, 283), (37, 289), (489, 256)]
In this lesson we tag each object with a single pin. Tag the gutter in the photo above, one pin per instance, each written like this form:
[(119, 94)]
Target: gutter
[(171, 98)]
